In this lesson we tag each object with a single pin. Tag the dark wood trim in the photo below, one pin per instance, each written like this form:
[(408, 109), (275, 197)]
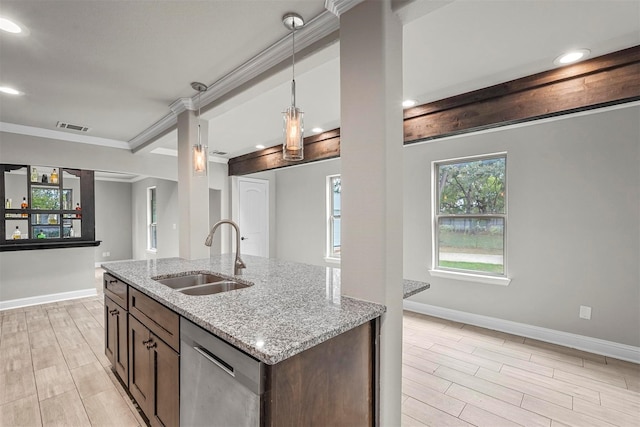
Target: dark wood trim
[(599, 82), (9, 246), (317, 147)]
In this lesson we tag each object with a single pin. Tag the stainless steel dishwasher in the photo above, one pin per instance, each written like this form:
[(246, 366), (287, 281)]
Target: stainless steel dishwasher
[(219, 384)]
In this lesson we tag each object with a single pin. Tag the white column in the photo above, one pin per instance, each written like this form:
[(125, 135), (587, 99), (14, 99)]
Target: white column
[(193, 191), (371, 138)]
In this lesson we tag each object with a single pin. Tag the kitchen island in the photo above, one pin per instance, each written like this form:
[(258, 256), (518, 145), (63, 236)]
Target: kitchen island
[(291, 318)]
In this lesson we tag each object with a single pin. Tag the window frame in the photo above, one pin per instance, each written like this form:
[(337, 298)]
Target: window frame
[(436, 216), (330, 255), (152, 227)]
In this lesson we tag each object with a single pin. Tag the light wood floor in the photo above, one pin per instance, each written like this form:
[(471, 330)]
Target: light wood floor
[(459, 375), (53, 372)]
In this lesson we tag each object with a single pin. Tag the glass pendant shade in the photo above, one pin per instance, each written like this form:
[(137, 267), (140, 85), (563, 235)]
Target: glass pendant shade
[(200, 160), (293, 147)]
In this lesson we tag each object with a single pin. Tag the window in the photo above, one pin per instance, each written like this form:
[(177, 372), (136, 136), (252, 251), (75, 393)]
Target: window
[(152, 219), (334, 188), (470, 216)]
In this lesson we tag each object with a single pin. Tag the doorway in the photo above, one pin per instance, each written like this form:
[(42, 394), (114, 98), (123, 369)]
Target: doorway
[(253, 218)]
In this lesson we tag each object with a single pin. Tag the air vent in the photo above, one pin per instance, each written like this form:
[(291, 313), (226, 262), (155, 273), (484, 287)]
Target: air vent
[(78, 128), (217, 153)]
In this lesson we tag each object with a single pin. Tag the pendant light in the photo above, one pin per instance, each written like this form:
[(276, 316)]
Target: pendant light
[(200, 155), (293, 146)]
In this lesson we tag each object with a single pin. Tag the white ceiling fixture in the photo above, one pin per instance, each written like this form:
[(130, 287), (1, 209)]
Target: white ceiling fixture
[(572, 57), (10, 91), (317, 130), (9, 26), (260, 146), (407, 103)]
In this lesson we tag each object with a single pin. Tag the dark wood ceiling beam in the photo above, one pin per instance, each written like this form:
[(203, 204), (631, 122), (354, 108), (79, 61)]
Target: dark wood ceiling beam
[(606, 80)]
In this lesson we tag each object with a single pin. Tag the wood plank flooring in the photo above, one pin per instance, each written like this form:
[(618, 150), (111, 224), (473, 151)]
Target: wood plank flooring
[(459, 375), (53, 372)]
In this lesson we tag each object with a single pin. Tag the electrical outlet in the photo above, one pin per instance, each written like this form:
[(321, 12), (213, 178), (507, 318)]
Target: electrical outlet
[(108, 253), (104, 254), (585, 312)]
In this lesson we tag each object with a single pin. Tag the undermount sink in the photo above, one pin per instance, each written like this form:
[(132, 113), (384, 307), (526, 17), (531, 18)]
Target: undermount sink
[(186, 281), (201, 283), (214, 288)]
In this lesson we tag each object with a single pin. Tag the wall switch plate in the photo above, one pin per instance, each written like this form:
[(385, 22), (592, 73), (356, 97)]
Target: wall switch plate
[(585, 312)]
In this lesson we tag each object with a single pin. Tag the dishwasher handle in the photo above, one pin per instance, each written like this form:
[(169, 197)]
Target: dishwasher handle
[(215, 360)]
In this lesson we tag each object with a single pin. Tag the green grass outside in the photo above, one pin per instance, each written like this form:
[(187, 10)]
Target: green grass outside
[(475, 266), (484, 243)]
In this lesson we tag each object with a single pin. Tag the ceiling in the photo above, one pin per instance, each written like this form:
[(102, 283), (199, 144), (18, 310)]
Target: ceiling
[(117, 66)]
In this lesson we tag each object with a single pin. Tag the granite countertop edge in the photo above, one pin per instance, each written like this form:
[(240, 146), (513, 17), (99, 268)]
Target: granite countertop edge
[(343, 313), (347, 314)]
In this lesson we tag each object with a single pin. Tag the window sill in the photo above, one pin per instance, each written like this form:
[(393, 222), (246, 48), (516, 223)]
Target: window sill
[(469, 277), (332, 260)]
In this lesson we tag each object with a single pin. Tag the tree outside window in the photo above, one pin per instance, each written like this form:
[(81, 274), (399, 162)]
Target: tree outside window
[(470, 215)]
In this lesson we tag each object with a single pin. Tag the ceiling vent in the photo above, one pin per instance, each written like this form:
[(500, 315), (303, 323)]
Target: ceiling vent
[(78, 128), (217, 153)]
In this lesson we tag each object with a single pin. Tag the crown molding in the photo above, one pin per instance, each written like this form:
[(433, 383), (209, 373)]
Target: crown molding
[(313, 31), (62, 136), (338, 7), (174, 153), (182, 104)]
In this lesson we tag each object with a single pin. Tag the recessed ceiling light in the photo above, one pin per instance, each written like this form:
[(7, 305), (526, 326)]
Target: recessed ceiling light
[(259, 146), (571, 57), (9, 26), (317, 130), (9, 90), (409, 103)]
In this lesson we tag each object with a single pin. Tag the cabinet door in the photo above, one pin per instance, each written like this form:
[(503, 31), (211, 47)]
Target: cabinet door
[(121, 356), (166, 384), (139, 364), (110, 329)]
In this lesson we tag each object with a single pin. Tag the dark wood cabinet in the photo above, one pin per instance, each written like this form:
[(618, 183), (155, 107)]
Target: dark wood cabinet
[(115, 342), (154, 375), (331, 384)]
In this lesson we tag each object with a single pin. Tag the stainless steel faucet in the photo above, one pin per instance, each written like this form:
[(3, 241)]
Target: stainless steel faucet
[(238, 265)]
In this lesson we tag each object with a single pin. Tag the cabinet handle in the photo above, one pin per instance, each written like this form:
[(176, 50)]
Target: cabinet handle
[(113, 312), (152, 345), (113, 281)]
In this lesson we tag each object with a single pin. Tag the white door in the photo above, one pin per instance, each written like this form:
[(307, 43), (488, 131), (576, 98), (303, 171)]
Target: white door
[(253, 205)]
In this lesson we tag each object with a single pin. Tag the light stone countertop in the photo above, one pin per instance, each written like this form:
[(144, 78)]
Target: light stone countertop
[(290, 307)]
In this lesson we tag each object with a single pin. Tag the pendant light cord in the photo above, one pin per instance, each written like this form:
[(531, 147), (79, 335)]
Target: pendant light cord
[(293, 67)]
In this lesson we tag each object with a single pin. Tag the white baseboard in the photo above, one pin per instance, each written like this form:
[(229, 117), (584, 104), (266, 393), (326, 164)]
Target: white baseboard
[(580, 342), (43, 299)]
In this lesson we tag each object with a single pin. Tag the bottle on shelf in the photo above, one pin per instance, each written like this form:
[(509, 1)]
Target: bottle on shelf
[(78, 208), (16, 233), (24, 205), (53, 219), (8, 204), (41, 235), (54, 177), (34, 174), (45, 179)]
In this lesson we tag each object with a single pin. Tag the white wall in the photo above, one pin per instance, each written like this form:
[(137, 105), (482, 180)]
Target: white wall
[(113, 220), (573, 225), (301, 211)]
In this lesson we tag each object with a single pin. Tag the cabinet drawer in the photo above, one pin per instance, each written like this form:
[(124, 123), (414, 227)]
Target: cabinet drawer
[(116, 289), (158, 318)]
